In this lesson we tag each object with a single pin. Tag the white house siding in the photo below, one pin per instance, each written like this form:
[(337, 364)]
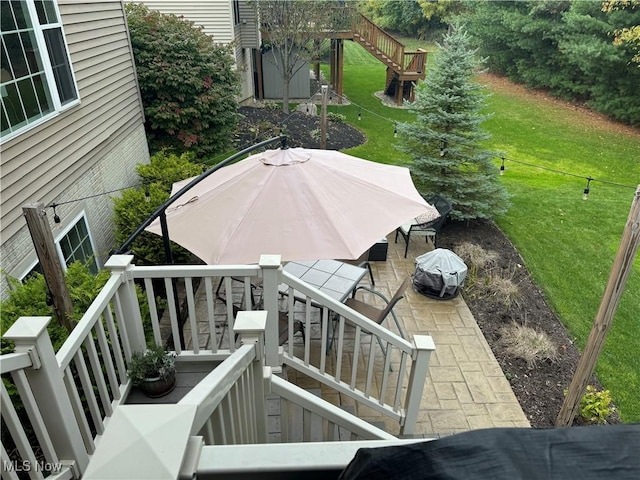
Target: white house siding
[(86, 150), (214, 16)]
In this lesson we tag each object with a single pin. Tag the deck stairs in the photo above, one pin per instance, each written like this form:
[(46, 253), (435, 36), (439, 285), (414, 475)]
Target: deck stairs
[(404, 68)]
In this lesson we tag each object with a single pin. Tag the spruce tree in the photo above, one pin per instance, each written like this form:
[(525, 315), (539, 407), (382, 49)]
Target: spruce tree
[(445, 141)]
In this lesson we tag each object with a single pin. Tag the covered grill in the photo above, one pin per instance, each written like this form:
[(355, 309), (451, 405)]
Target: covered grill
[(439, 274)]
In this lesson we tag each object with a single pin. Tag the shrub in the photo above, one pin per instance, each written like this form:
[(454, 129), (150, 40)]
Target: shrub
[(336, 117), (595, 406), (29, 299), (502, 289), (135, 206), (476, 258), (187, 83), (526, 343)]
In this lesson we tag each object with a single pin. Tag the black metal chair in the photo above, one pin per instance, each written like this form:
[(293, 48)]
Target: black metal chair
[(374, 313), (428, 229)]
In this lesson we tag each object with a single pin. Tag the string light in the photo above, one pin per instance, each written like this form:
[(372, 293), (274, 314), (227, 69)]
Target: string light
[(359, 115), (147, 195), (56, 217), (443, 148), (395, 130), (502, 167), (585, 193)]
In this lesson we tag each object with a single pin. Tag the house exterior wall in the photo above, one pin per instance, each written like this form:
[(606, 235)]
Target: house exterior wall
[(217, 19), (90, 148)]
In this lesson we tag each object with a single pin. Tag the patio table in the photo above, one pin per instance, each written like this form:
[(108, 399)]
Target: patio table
[(332, 277)]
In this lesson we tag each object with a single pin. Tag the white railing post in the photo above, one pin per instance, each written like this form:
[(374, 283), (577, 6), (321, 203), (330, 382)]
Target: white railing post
[(30, 335), (250, 326), (122, 265), (423, 347), (271, 270)]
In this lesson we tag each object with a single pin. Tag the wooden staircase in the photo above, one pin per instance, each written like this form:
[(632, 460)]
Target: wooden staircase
[(404, 69)]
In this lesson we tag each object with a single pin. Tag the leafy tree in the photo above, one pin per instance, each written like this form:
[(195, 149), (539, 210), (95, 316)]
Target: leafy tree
[(295, 30), (406, 17), (445, 140), (564, 47), (137, 204), (445, 10), (187, 83), (627, 35)]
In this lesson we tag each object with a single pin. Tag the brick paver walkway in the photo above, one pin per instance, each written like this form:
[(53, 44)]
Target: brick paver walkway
[(466, 388)]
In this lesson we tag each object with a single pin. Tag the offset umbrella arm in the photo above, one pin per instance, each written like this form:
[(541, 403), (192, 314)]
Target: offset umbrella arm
[(162, 208)]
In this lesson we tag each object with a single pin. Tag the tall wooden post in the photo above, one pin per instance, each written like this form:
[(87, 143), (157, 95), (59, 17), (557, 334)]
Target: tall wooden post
[(36, 217), (602, 324), (323, 118)]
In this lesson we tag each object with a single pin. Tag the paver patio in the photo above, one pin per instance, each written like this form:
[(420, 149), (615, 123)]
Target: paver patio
[(465, 389)]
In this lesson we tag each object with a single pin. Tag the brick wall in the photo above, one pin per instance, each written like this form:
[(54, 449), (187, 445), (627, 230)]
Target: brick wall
[(114, 171)]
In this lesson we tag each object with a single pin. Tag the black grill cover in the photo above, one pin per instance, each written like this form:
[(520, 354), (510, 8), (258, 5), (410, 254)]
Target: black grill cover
[(610, 452)]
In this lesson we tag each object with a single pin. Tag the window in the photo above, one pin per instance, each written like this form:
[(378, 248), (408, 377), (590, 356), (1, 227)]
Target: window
[(35, 71), (236, 12), (74, 245)]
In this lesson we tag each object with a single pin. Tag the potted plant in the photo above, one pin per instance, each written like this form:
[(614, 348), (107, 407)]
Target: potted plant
[(153, 371)]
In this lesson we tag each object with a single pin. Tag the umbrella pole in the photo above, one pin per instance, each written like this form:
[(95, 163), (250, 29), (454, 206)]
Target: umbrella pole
[(168, 254)]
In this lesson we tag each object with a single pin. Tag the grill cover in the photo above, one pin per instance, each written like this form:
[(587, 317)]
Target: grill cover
[(568, 453), (439, 274)]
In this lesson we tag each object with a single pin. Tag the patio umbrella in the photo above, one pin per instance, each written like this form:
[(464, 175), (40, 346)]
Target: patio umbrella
[(300, 203)]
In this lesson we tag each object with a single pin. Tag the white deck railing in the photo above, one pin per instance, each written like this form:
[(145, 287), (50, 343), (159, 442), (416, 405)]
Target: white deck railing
[(86, 380)]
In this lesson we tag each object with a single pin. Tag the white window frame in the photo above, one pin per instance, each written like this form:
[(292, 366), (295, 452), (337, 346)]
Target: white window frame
[(58, 238), (58, 107)]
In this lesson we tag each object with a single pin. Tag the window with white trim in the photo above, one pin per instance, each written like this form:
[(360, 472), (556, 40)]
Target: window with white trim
[(36, 78), (74, 245)]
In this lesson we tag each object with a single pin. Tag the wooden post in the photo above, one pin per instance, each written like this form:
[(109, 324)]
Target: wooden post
[(339, 70), (323, 118), (615, 286), (42, 238)]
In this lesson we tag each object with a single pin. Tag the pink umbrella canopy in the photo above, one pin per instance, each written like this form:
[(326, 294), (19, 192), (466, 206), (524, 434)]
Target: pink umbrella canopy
[(299, 203)]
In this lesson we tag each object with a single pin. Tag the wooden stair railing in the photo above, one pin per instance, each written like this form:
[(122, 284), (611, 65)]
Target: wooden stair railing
[(382, 45)]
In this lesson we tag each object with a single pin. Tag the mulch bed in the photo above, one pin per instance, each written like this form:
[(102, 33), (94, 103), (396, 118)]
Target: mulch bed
[(539, 389)]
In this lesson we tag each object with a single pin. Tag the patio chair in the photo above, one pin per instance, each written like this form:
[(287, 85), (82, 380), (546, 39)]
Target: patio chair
[(256, 284), (374, 313), (427, 229)]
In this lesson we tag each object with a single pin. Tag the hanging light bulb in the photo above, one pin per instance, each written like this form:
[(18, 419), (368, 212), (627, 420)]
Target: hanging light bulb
[(359, 115), (395, 130), (585, 193), (56, 217), (443, 148), (147, 195), (502, 167)]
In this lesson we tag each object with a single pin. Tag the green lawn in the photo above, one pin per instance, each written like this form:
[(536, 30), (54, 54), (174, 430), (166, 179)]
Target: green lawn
[(568, 244)]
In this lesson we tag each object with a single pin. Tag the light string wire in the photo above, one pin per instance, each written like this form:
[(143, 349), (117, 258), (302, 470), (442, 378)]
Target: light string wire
[(360, 107), (588, 178), (226, 154)]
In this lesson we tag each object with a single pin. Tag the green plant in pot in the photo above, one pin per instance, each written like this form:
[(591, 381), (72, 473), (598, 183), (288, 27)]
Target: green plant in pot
[(153, 371)]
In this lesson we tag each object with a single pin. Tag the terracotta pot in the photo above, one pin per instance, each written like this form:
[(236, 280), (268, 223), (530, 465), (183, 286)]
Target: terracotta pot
[(158, 387)]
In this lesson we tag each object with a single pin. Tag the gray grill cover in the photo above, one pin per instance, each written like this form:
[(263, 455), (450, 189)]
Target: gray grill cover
[(440, 271)]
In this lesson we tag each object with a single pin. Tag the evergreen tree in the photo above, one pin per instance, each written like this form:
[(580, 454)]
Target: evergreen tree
[(445, 141)]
